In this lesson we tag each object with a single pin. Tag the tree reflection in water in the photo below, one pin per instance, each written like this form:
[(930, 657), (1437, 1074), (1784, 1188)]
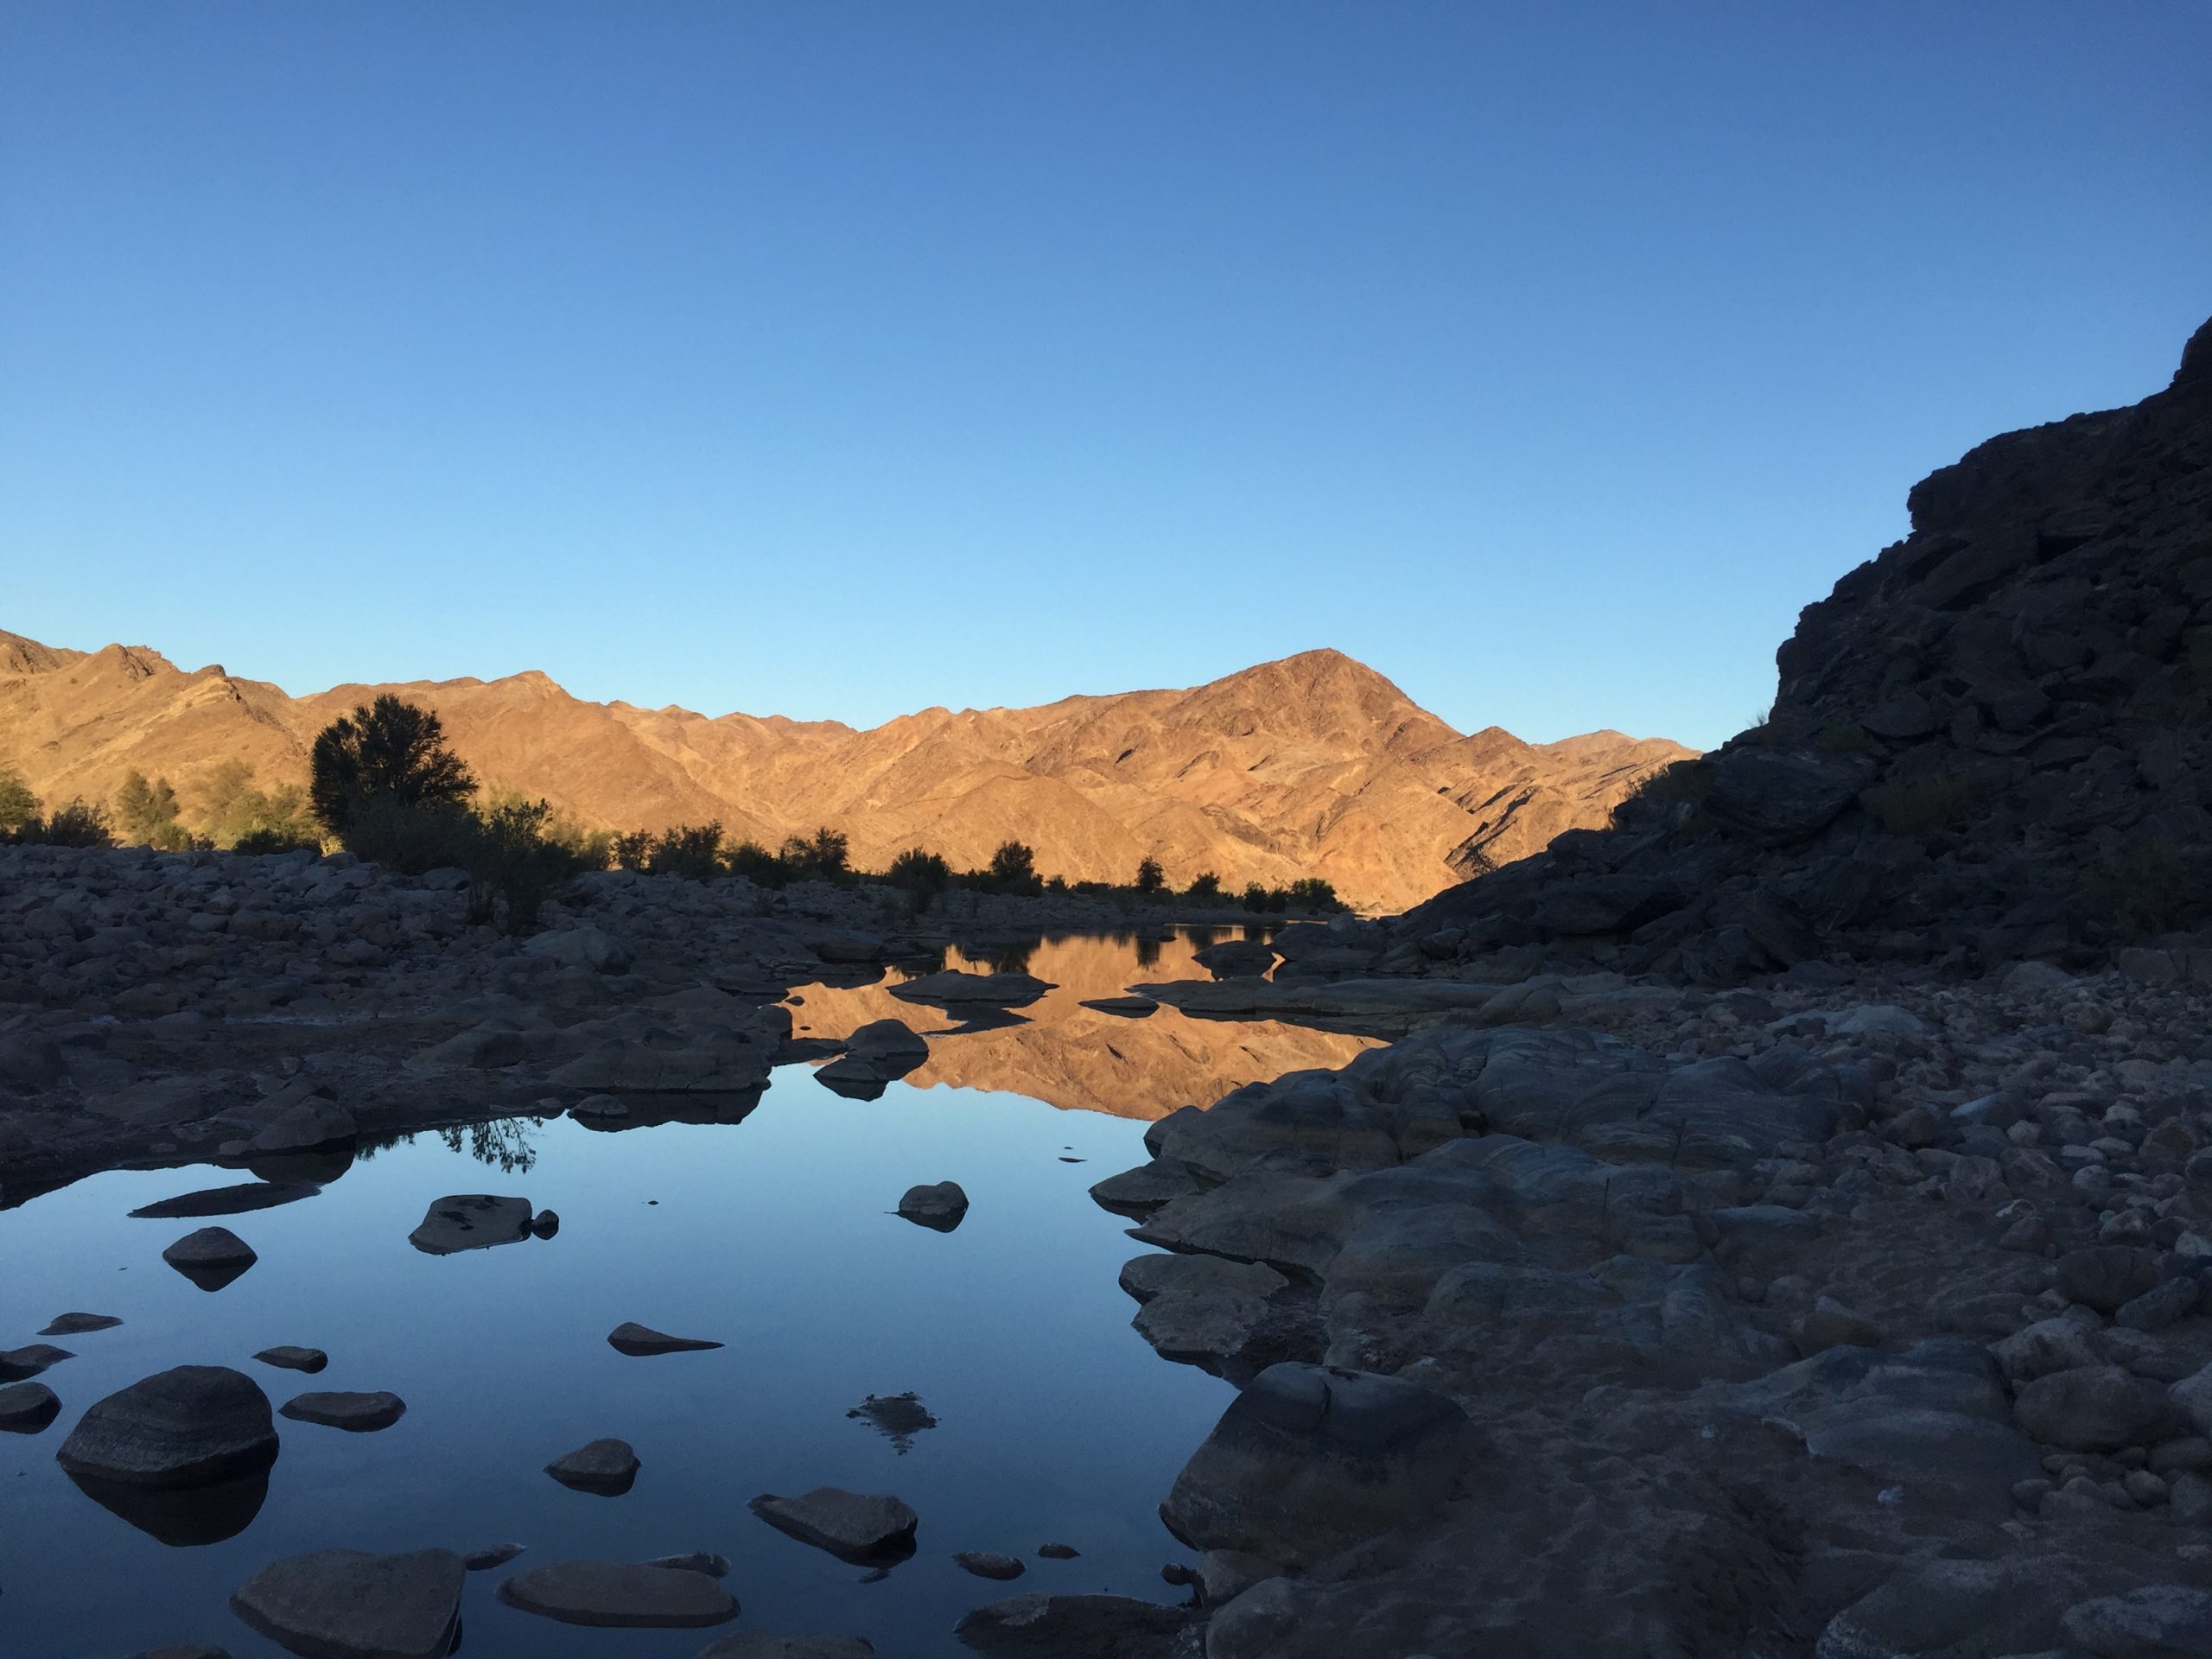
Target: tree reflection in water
[(504, 1143)]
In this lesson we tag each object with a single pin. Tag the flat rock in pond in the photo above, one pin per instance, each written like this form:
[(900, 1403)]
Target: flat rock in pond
[(187, 1650), (1071, 1627), (754, 1645), (897, 1417), (356, 1412), (939, 1205), (227, 1200), (471, 1221), (638, 1340), (347, 1604), (608, 1467), (17, 1363), (492, 1555), (1058, 1552), (852, 1525), (988, 1564), (211, 1257), (1129, 1007), (76, 1324), (27, 1407), (191, 1425), (699, 1560), (619, 1594), (294, 1359), (952, 989)]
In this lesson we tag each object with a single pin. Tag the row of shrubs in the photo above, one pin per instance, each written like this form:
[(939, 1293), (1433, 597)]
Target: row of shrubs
[(383, 785)]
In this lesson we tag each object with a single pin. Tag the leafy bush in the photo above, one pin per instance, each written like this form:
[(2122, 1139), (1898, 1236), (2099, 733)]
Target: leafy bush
[(513, 863), (234, 811), (1204, 888), (757, 864), (1150, 877), (1013, 869), (631, 851), (17, 804), (824, 856), (73, 825), (386, 750), (691, 851), (263, 842), (921, 875), (147, 812), (412, 838)]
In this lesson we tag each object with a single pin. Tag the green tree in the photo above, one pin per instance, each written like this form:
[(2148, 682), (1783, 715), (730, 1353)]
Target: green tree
[(1150, 877), (18, 806), (921, 875), (1204, 888), (146, 811), (1014, 867), (691, 851), (387, 750)]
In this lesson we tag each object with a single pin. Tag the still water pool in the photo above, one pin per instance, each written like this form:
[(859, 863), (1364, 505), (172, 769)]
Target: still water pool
[(775, 1236)]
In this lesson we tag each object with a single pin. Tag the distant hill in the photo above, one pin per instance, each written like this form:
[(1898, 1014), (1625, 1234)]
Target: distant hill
[(1312, 765)]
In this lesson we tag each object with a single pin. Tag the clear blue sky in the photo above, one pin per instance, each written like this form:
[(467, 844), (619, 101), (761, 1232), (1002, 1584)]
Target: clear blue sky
[(838, 360)]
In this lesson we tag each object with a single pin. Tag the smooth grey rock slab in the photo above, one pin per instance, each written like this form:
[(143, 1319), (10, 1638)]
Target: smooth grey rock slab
[(897, 1417), (27, 1407), (191, 1425), (347, 1604), (988, 1563), (78, 1325), (2155, 1621), (227, 1200), (18, 1364), (606, 1467), (1137, 1193), (639, 1341), (619, 1594), (939, 1205), (754, 1645), (492, 1555), (294, 1359), (358, 1414), (1309, 1461), (211, 1257), (471, 1221), (853, 1526), (1071, 1627)]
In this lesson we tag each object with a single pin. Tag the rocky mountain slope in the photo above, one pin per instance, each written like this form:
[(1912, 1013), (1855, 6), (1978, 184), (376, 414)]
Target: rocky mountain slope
[(1311, 765), (1992, 741)]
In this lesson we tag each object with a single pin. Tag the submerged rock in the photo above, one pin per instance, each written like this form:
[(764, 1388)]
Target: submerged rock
[(988, 1564), (853, 1526), (1129, 1007), (18, 1364), (619, 1594), (471, 1221), (939, 1206), (1310, 1460), (699, 1560), (235, 1200), (492, 1555), (897, 1417), (878, 1053), (347, 1604), (211, 1258), (606, 1467), (1073, 1627), (640, 1340), (357, 1413), (952, 989), (754, 1645), (192, 1426)]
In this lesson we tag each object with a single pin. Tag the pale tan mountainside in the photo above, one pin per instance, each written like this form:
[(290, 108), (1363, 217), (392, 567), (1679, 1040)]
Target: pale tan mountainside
[(1079, 1058), (1314, 765)]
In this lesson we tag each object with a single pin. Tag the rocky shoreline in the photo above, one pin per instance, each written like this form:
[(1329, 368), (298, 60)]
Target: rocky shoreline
[(167, 1008)]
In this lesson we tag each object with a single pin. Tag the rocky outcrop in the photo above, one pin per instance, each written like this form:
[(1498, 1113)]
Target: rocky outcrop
[(1992, 743)]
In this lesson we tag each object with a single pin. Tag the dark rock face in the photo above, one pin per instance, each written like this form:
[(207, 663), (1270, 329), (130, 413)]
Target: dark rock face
[(194, 1426), (1990, 742), (1310, 1460), (346, 1603)]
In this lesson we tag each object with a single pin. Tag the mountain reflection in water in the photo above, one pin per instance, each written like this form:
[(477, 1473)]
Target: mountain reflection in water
[(1079, 1058)]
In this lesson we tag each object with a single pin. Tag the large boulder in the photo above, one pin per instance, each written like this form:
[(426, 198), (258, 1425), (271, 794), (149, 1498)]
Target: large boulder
[(211, 1257), (192, 1426), (347, 1604), (1310, 1460), (584, 947), (880, 1052), (939, 1205), (1778, 797), (1236, 959), (2094, 1409)]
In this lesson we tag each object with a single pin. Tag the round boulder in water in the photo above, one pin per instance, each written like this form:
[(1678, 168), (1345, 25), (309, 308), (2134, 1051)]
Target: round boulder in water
[(192, 1426)]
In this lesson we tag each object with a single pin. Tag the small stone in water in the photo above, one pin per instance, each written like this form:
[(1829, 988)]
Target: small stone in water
[(294, 1359), (988, 1564), (1058, 1552), (76, 1324)]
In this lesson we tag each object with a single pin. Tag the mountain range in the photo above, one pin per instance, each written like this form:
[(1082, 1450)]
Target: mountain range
[(1312, 766)]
